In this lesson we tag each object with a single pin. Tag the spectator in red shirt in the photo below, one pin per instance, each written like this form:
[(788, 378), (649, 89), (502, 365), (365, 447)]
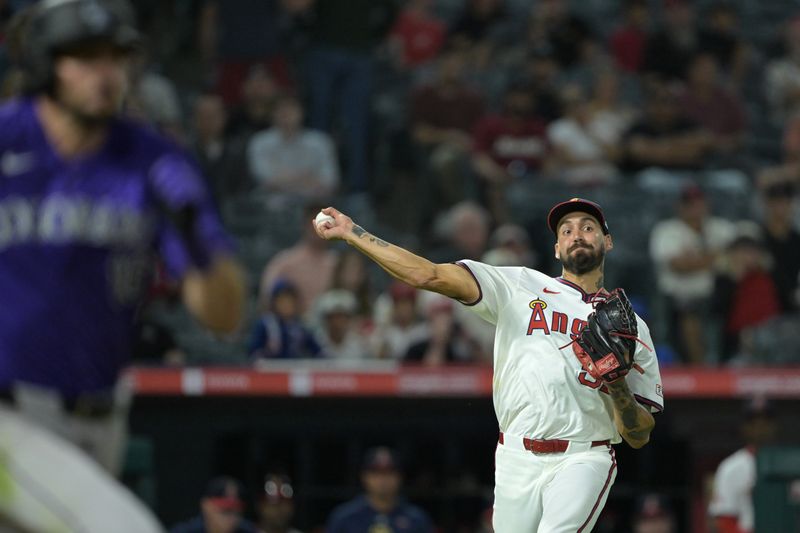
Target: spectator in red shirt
[(508, 146), (628, 41), (746, 295), (417, 35), (706, 102), (443, 116)]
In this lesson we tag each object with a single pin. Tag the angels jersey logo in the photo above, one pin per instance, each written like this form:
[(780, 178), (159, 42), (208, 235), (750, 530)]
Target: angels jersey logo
[(556, 321)]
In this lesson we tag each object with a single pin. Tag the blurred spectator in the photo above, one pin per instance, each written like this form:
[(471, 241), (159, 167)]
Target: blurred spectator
[(628, 41), (446, 342), (221, 159), (664, 137), (745, 294), (235, 37), (221, 510), (443, 115), (338, 332), (583, 149), (154, 343), (509, 146), (669, 50), (722, 38), (609, 110), (475, 28), (309, 264), (791, 144), (544, 77), (783, 76), (417, 34), (279, 332), (154, 99), (653, 514), (566, 34), (276, 506), (380, 508), (345, 34), (288, 158), (731, 503), (403, 327), (465, 228), (782, 240), (254, 111), (351, 274), (706, 102), (685, 250), (512, 240)]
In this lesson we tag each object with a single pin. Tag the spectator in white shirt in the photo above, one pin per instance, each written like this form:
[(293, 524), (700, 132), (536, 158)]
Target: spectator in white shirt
[(783, 76), (289, 158), (338, 335), (685, 250)]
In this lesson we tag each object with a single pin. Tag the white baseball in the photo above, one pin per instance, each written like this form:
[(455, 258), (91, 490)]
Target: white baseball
[(322, 217)]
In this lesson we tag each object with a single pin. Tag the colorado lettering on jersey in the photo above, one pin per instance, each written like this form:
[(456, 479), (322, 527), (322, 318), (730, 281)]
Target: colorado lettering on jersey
[(61, 219), (557, 321)]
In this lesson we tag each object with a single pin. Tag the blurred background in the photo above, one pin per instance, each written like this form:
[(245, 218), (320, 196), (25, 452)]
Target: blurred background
[(450, 127)]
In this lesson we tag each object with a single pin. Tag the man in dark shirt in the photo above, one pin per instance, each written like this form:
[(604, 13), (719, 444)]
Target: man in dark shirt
[(220, 510), (782, 240), (380, 508)]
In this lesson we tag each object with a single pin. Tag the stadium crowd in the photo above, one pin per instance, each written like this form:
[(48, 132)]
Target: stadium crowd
[(450, 127)]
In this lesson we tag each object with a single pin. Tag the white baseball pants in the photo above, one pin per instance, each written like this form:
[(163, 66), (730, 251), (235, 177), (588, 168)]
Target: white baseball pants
[(47, 485), (550, 493)]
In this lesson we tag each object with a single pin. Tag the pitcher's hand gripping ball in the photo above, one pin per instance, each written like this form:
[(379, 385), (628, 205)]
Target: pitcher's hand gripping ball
[(606, 344)]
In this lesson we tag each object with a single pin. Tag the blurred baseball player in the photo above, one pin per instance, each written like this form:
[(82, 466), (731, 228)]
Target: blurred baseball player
[(732, 501), (554, 463), (87, 198)]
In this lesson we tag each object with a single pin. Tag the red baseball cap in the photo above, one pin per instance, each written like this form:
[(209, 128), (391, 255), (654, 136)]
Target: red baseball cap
[(559, 211)]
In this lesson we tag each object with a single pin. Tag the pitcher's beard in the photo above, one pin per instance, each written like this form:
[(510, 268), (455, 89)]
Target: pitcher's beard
[(583, 263)]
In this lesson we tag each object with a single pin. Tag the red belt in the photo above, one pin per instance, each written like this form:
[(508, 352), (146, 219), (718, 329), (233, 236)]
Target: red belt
[(552, 445)]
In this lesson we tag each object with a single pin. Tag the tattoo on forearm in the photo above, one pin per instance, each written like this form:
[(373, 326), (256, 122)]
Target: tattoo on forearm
[(628, 411), (361, 232)]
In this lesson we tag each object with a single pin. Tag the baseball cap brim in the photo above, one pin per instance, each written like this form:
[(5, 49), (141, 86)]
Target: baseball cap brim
[(559, 211)]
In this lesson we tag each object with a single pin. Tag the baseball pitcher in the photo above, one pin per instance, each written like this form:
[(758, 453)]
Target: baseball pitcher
[(574, 368)]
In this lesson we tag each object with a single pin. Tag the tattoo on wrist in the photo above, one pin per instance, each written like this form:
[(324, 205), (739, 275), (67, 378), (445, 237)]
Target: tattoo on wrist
[(627, 407), (361, 232)]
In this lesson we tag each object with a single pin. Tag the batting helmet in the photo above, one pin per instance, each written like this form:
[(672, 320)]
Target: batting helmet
[(53, 25)]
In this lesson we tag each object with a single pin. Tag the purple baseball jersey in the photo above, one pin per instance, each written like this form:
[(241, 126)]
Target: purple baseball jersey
[(77, 245)]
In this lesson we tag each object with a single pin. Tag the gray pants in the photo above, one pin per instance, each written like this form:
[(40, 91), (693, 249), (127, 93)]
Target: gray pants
[(98, 426)]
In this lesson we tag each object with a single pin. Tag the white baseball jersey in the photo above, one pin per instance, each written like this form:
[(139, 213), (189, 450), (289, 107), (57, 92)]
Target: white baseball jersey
[(540, 389), (733, 487)]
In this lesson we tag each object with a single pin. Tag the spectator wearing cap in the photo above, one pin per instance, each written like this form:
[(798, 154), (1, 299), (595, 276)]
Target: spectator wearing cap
[(464, 228), (276, 505), (402, 327), (685, 249), (781, 239), (280, 333), (745, 294), (338, 332), (381, 507), (221, 508), (731, 503), (653, 515)]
